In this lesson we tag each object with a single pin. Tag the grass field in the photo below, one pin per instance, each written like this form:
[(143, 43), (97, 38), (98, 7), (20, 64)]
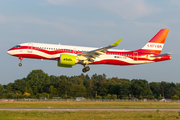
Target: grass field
[(89, 115), (72, 104)]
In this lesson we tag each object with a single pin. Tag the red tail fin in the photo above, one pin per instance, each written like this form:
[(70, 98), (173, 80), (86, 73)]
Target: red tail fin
[(155, 45)]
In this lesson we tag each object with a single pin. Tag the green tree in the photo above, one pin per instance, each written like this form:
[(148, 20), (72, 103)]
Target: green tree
[(175, 97), (140, 88), (108, 96), (10, 87), (53, 91), (18, 94), (10, 95), (38, 81), (155, 88), (150, 97), (98, 97), (103, 89), (44, 94), (77, 91), (115, 89), (20, 84), (125, 89), (1, 88), (26, 89), (31, 92), (114, 96)]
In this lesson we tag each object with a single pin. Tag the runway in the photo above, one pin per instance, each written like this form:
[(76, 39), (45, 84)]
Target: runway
[(81, 109)]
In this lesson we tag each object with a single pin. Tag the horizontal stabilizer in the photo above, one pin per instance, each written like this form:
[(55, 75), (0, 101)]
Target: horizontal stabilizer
[(161, 55)]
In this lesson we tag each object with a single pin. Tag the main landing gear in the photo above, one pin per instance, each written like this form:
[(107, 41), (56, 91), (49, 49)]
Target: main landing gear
[(20, 64), (85, 69)]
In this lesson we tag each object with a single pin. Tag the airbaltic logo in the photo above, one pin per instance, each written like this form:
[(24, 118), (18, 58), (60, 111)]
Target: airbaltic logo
[(153, 46), (67, 59)]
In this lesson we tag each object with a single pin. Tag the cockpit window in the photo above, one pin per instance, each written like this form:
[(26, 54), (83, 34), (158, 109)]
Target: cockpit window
[(17, 46)]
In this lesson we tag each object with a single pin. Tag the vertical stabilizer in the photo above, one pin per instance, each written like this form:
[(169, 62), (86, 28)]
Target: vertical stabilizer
[(155, 45)]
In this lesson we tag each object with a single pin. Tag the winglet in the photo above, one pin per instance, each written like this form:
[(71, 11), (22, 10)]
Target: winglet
[(117, 42)]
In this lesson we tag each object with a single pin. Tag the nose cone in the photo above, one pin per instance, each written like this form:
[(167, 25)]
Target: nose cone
[(9, 52)]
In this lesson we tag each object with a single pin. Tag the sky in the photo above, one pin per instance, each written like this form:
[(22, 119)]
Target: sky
[(91, 23)]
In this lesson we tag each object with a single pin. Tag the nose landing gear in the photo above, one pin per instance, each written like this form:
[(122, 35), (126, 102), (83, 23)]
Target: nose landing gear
[(85, 69), (20, 64)]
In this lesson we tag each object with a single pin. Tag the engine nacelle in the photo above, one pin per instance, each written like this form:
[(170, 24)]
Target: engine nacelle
[(67, 60)]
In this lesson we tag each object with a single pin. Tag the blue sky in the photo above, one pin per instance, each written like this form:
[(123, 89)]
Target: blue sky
[(94, 23)]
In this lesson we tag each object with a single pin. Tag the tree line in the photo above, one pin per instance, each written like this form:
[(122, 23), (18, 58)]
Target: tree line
[(39, 84)]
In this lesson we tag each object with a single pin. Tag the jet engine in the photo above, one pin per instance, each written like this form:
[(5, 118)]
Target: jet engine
[(67, 60)]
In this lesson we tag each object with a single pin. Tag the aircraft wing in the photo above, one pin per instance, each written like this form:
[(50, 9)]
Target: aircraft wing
[(160, 55), (91, 55)]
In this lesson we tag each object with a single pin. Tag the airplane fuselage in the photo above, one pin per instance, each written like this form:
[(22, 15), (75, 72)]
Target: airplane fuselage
[(112, 56), (68, 56)]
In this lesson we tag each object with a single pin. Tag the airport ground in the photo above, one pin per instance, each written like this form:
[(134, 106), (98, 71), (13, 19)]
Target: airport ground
[(89, 104), (89, 114)]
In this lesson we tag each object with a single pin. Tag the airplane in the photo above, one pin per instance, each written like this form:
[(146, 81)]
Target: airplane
[(68, 56)]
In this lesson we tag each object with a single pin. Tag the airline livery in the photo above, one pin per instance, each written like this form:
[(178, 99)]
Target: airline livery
[(68, 56)]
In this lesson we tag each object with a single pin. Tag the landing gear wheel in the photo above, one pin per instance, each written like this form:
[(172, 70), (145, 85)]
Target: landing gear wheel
[(87, 68), (21, 58), (20, 64), (84, 70)]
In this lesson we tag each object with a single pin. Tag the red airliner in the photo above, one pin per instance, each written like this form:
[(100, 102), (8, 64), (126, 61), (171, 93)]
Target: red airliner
[(68, 56)]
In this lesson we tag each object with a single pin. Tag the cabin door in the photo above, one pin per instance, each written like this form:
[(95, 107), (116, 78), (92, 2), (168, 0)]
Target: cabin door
[(74, 50), (135, 56), (30, 47)]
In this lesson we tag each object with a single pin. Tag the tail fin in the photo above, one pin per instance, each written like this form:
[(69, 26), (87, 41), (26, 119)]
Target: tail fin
[(155, 45)]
